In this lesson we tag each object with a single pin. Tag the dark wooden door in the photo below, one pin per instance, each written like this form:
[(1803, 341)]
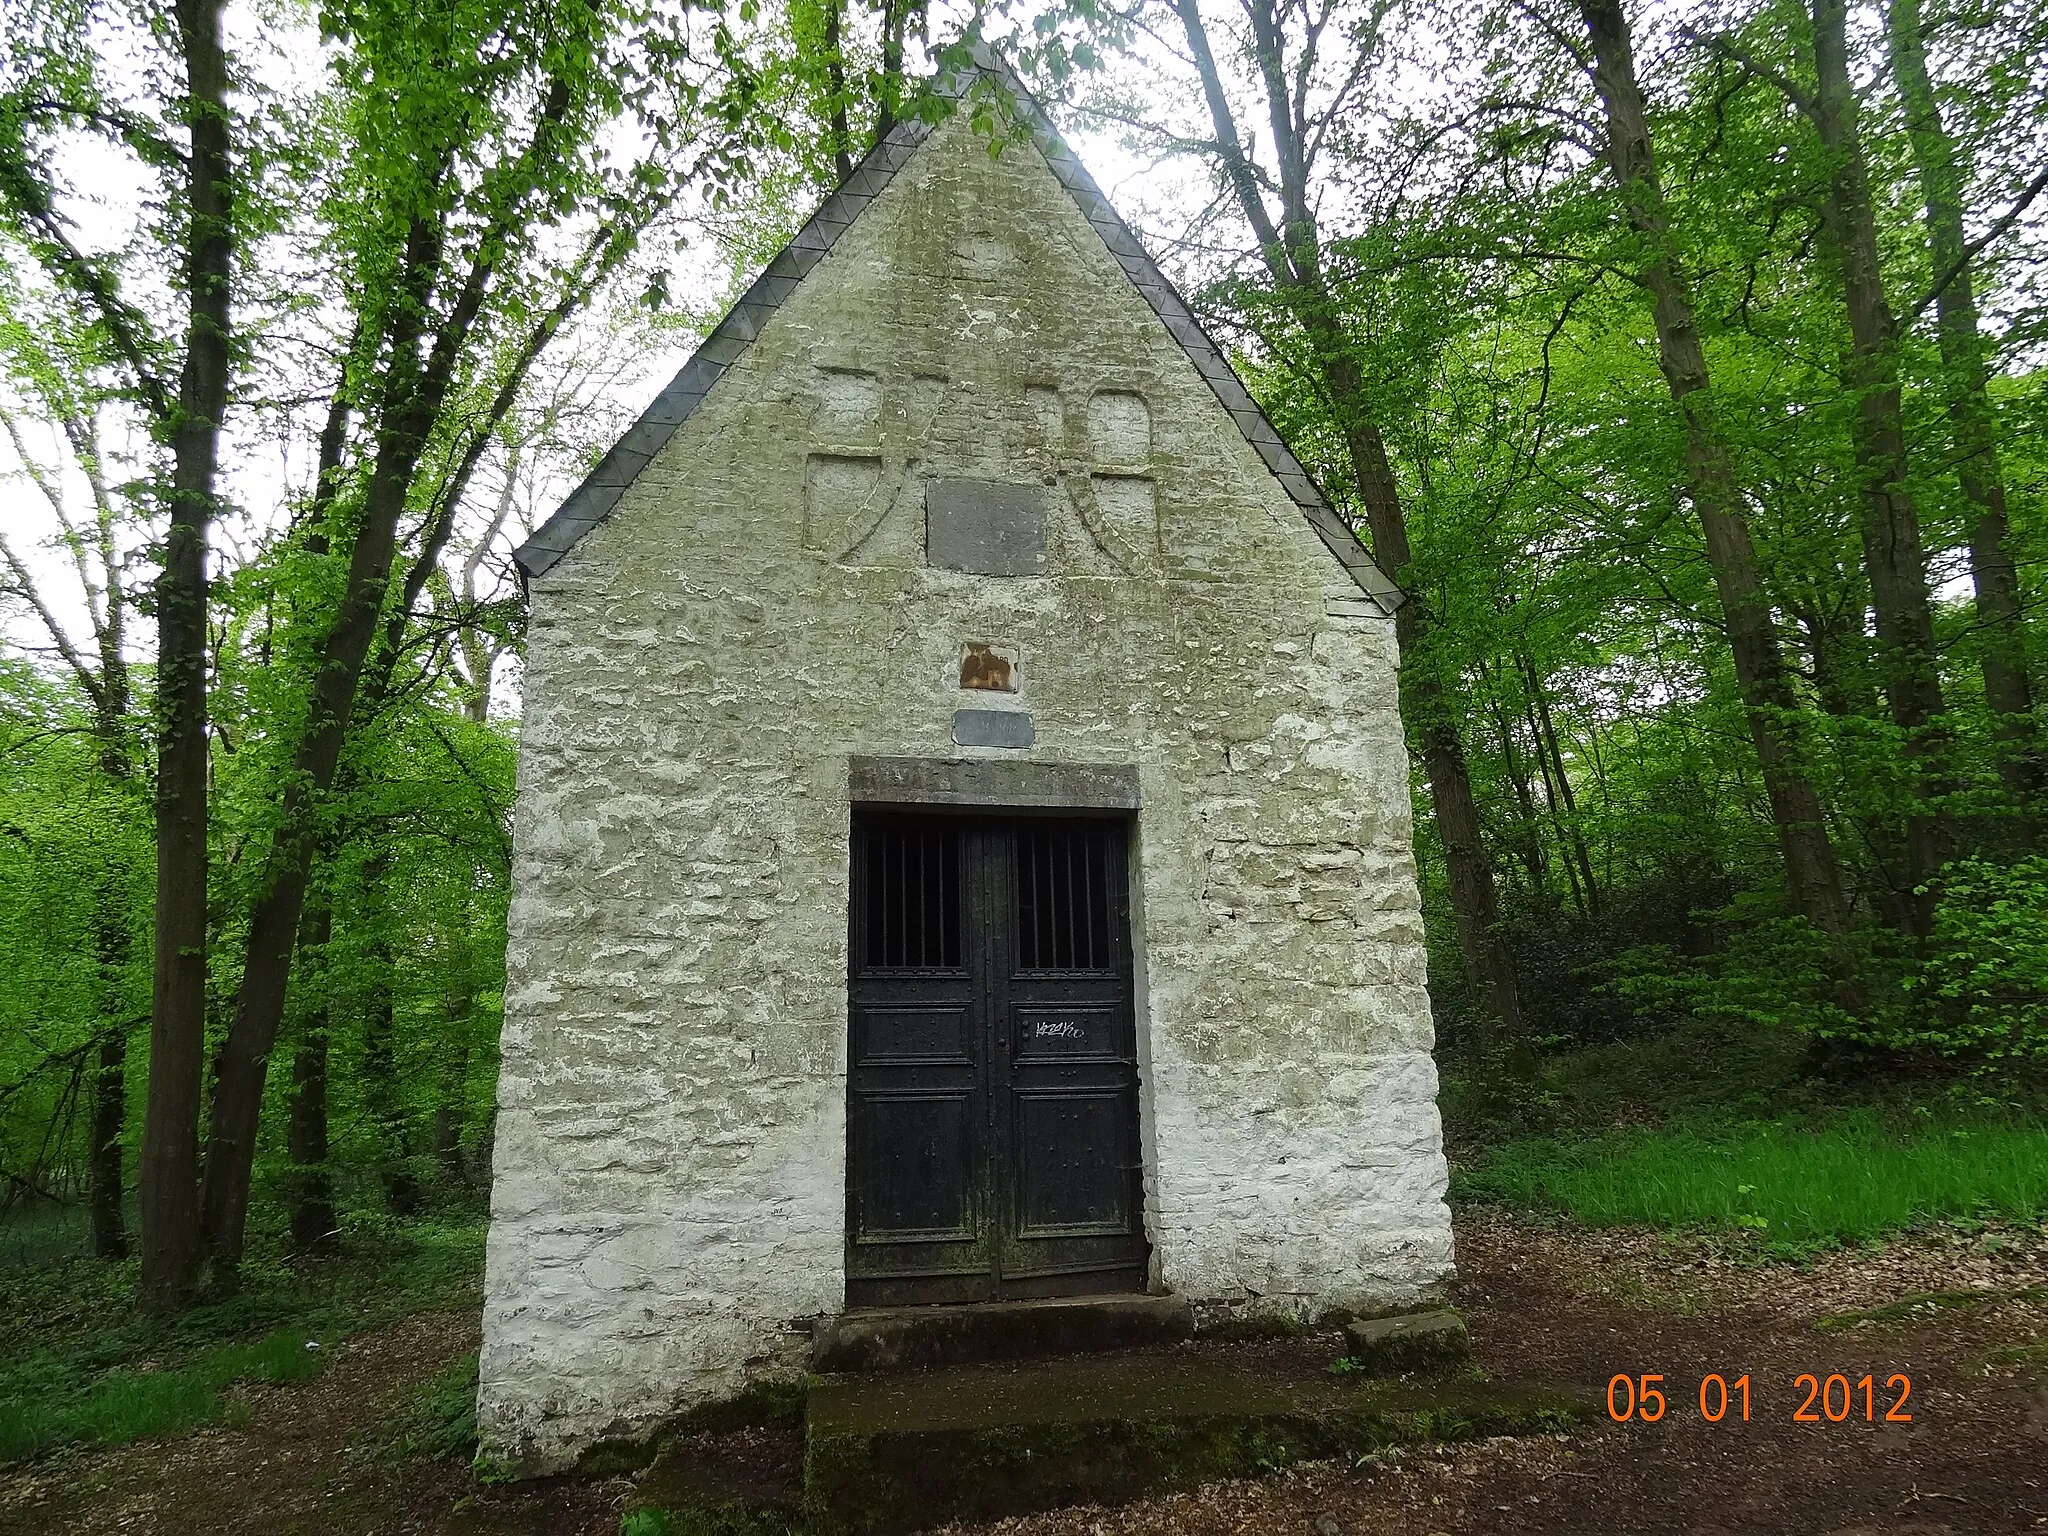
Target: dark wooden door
[(992, 1090)]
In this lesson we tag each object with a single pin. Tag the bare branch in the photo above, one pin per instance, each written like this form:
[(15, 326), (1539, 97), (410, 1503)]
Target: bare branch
[(24, 584), (89, 279), (1236, 165), (1976, 247), (1729, 48)]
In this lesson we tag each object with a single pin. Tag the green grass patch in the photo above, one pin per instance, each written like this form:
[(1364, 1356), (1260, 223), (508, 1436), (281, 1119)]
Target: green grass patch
[(1846, 1178), (79, 1364), (1924, 1304), (131, 1404), (439, 1419)]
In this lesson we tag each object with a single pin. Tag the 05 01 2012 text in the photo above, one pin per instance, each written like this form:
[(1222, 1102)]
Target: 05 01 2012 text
[(1833, 1399)]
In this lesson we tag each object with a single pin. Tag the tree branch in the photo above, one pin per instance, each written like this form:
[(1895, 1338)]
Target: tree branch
[(1976, 247), (1729, 48), (126, 324)]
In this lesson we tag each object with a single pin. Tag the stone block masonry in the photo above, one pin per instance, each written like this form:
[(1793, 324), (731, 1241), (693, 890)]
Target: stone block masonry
[(703, 666)]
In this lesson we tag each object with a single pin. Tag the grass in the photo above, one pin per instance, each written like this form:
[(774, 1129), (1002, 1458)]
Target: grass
[(1720, 1126), (131, 1404), (1853, 1176), (79, 1364), (439, 1417), (1923, 1304)]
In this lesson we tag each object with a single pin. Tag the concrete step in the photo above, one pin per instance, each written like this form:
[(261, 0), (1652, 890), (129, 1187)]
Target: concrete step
[(891, 1454), (898, 1338)]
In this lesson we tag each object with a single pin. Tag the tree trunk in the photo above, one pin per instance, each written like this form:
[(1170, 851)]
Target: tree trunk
[(107, 1172), (1770, 705), (458, 1004), (383, 1102), (1535, 860), (835, 89), (409, 405), (1571, 838), (895, 16), (451, 1112), (1426, 704), (171, 1242), (1966, 372), (113, 943), (1890, 524), (312, 1195)]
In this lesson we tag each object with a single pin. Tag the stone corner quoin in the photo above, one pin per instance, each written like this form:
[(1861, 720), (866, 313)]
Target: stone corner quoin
[(757, 613)]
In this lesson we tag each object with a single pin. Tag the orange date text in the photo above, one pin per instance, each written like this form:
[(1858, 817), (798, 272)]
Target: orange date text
[(1815, 1399)]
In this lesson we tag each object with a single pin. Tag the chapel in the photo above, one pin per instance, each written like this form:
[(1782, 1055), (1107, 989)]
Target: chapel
[(963, 841)]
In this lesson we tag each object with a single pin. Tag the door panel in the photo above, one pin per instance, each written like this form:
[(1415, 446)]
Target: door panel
[(917, 1191), (1065, 1139), (1068, 1077), (992, 1087), (928, 1033), (916, 1156)]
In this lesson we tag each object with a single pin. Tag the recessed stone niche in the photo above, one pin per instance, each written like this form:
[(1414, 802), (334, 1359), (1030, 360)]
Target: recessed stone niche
[(1119, 428), (849, 406), (839, 490), (988, 668)]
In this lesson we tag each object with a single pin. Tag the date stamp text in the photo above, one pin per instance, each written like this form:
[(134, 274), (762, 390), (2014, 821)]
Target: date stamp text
[(1833, 1399)]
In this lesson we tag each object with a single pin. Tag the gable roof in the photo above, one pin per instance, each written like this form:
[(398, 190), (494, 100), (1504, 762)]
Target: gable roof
[(592, 501)]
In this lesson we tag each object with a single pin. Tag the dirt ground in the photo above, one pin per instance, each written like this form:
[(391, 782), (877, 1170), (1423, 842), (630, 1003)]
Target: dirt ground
[(1569, 1306)]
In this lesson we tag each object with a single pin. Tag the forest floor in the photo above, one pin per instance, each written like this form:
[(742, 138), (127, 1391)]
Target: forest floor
[(1963, 1315)]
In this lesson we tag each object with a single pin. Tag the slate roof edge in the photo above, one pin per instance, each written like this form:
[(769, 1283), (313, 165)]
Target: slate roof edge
[(592, 501)]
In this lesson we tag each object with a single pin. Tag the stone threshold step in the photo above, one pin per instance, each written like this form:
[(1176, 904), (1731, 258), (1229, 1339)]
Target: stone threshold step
[(896, 1338), (891, 1454)]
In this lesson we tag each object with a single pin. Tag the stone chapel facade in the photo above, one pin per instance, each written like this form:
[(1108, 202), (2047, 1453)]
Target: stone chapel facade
[(963, 830)]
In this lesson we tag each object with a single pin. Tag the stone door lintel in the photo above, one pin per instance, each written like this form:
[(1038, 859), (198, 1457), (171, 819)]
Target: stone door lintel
[(992, 783)]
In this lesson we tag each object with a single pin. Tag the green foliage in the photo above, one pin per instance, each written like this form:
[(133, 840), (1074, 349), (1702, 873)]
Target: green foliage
[(79, 1364), (1485, 280), (440, 1419), (75, 894), (1851, 1177), (134, 1404), (1988, 962), (719, 1517)]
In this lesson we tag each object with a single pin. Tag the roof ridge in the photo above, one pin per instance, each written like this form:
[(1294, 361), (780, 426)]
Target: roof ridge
[(592, 501)]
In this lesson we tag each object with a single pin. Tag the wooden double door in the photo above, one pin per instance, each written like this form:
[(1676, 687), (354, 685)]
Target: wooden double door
[(992, 1090)]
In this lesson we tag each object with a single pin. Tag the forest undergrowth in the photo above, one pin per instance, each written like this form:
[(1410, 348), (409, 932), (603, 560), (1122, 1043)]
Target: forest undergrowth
[(1728, 1131), (80, 1364)]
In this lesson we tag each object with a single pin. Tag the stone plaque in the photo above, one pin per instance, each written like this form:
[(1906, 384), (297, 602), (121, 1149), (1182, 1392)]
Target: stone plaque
[(992, 728), (989, 527)]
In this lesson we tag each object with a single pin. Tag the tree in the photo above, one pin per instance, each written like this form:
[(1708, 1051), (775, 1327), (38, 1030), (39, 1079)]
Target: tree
[(1300, 109), (61, 383), (1775, 715), (1893, 557), (1972, 420), (187, 140)]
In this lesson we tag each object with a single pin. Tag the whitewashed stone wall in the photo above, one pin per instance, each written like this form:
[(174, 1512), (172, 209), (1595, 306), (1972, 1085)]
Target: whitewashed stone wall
[(669, 1201)]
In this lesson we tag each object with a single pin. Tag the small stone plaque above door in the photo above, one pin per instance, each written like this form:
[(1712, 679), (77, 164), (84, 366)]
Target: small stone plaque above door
[(993, 728), (988, 527)]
